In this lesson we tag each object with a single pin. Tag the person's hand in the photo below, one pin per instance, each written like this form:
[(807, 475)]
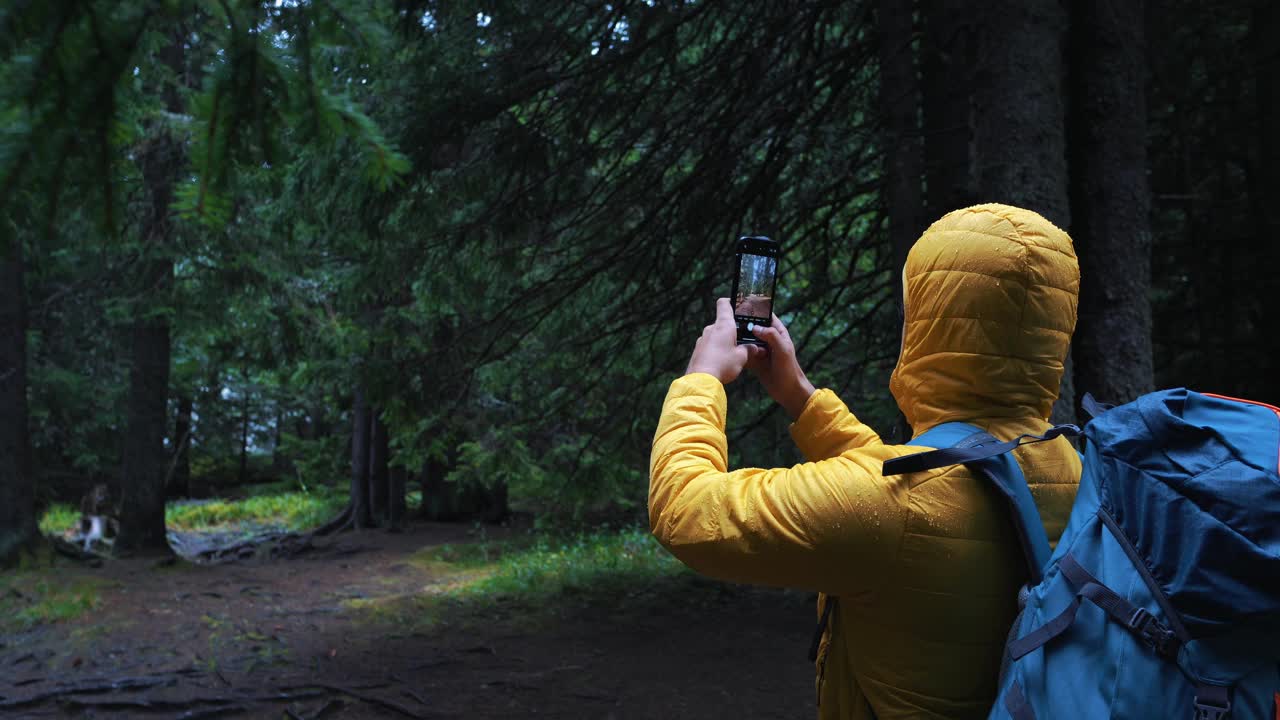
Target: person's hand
[(718, 352), (778, 369)]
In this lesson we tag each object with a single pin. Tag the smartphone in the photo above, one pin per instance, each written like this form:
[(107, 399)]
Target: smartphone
[(754, 285)]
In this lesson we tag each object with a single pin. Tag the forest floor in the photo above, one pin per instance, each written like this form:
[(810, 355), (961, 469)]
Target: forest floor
[(346, 631)]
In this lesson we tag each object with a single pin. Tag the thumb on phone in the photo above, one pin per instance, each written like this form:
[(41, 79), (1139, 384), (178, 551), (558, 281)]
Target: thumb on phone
[(770, 336)]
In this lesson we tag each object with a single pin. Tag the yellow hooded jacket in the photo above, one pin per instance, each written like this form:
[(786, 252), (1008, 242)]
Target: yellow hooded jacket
[(926, 565)]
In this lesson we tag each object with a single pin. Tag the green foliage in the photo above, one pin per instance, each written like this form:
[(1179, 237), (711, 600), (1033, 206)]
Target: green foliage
[(281, 506), (288, 511), (600, 561), (58, 519), (29, 599), (543, 571)]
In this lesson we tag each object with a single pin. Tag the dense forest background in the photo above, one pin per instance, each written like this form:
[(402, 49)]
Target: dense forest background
[(460, 248)]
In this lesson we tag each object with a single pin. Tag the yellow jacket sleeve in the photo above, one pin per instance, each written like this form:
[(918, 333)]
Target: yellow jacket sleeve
[(832, 525)]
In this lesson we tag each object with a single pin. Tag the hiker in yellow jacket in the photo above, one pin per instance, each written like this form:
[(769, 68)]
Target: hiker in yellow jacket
[(926, 566)]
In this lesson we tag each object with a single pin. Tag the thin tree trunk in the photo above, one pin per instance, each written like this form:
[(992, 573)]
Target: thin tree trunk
[(1111, 200), (182, 451), (947, 57), (1020, 120), (277, 459), (439, 501), (396, 505), (18, 528), (243, 476), (379, 478), (360, 437), (904, 156)]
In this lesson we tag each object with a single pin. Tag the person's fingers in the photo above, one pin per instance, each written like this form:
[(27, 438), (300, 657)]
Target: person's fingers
[(777, 325), (724, 311), (757, 358), (771, 336)]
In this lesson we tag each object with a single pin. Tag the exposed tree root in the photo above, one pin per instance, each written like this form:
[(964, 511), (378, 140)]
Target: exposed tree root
[(175, 692), (73, 551), (345, 520)]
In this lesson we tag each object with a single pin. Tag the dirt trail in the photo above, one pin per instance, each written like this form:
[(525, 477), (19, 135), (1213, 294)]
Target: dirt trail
[(274, 640)]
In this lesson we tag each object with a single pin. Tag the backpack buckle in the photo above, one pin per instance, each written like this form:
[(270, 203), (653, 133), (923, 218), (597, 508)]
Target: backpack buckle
[(1209, 711), (1212, 702), (1154, 634)]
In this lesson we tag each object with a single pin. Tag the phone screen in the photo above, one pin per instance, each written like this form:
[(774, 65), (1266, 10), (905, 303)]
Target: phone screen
[(754, 284)]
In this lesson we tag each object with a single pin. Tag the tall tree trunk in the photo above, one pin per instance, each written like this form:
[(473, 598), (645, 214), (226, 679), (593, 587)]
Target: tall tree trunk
[(1019, 133), (439, 499), (904, 156), (1266, 191), (360, 437), (1111, 200), (379, 478), (181, 485), (900, 107), (396, 505), (18, 524), (947, 58), (278, 461), (142, 527), (242, 476)]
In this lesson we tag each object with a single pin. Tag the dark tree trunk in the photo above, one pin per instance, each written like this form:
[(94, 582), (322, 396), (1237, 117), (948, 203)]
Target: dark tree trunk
[(243, 475), (1111, 200), (396, 505), (947, 57), (18, 523), (1266, 198), (360, 437), (443, 500), (181, 485), (278, 462), (900, 107), (904, 156), (145, 465), (379, 487), (437, 503), (142, 505), (1020, 122)]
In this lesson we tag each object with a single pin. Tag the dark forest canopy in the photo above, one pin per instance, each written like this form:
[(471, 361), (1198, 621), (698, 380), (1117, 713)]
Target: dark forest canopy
[(467, 244)]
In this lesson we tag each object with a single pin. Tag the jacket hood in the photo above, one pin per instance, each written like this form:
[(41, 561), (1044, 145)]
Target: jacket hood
[(991, 293)]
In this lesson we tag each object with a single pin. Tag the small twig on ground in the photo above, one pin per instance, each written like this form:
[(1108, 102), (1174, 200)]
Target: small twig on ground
[(326, 709), (212, 712), (364, 697), (409, 692), (92, 688)]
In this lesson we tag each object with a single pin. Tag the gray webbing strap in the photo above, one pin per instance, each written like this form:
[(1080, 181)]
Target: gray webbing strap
[(1135, 619)]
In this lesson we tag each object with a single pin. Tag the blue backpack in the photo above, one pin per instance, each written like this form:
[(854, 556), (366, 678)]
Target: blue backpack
[(1162, 598)]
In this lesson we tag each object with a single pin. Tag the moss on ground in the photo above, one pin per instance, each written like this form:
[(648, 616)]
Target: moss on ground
[(535, 574)]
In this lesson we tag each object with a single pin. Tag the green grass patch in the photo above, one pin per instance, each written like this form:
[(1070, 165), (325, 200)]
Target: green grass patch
[(28, 600), (59, 518), (289, 510), (587, 563), (284, 504), (534, 573)]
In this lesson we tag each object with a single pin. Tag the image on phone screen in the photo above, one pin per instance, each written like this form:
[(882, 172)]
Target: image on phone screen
[(754, 284), (754, 298)]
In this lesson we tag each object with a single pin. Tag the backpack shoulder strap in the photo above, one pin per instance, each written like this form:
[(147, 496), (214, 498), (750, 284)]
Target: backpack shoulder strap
[(986, 457)]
